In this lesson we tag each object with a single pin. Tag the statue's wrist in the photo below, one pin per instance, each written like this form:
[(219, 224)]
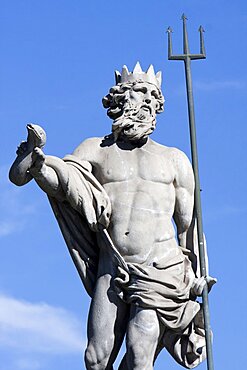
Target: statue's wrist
[(38, 173)]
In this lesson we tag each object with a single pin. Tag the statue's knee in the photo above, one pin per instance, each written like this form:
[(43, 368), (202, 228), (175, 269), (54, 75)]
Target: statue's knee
[(138, 357), (142, 340), (89, 357), (96, 358)]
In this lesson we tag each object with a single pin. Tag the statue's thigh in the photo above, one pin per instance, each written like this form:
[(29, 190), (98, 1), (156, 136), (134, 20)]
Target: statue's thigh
[(106, 326), (142, 337), (108, 314)]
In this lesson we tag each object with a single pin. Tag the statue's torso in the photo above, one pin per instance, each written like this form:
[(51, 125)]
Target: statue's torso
[(139, 183)]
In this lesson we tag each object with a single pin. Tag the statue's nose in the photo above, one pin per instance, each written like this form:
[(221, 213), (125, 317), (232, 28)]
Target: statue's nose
[(147, 97)]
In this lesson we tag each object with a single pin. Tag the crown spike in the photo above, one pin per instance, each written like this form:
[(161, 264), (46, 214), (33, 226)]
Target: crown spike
[(150, 71), (159, 77), (125, 73), (117, 77), (138, 68)]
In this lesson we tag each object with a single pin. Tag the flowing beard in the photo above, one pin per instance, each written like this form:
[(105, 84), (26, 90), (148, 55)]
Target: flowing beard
[(136, 123)]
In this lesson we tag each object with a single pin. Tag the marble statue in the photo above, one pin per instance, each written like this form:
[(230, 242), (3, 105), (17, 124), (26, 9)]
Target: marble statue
[(115, 199)]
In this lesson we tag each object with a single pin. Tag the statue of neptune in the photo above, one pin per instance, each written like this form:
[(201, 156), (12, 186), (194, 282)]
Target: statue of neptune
[(115, 199)]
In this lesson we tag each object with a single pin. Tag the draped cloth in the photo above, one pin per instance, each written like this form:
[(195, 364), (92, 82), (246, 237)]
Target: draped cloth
[(82, 208)]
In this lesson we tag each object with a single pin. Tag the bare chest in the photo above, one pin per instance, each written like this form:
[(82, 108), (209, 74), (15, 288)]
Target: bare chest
[(118, 165)]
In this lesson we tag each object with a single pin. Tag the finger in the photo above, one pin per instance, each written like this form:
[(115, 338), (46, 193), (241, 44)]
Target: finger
[(19, 151), (200, 289), (40, 151), (194, 284), (37, 150), (199, 282), (199, 286), (38, 154), (21, 148)]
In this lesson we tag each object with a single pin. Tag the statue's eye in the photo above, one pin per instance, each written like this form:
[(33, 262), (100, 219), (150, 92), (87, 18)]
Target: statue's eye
[(155, 94), (140, 89)]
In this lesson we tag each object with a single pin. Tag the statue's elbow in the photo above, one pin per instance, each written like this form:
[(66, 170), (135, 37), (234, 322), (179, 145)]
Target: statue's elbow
[(17, 179)]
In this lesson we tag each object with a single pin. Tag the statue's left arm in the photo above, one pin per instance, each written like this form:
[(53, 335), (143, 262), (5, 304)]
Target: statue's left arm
[(183, 214), (184, 195)]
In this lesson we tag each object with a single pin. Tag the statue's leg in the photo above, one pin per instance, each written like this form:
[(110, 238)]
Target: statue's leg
[(160, 346), (142, 337), (107, 323)]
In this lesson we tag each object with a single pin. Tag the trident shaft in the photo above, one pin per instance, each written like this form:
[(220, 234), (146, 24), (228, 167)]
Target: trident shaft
[(187, 57)]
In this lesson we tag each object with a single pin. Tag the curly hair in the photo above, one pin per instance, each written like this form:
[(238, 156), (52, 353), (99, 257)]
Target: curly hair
[(118, 95)]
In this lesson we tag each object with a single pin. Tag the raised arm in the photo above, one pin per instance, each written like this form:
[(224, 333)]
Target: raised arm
[(44, 175), (30, 162)]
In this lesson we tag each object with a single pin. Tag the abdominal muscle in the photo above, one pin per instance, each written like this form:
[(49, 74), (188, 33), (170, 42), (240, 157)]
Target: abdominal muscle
[(140, 226)]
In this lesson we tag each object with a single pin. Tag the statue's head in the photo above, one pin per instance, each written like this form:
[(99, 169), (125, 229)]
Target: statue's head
[(134, 102)]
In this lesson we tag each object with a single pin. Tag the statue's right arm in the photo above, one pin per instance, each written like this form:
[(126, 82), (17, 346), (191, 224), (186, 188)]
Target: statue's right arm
[(44, 175)]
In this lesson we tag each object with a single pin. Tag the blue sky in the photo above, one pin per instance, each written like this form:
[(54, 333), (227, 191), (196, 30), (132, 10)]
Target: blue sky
[(57, 62)]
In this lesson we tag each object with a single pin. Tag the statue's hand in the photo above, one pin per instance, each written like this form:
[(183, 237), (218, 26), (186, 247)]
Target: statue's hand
[(38, 160), (199, 284), (22, 148)]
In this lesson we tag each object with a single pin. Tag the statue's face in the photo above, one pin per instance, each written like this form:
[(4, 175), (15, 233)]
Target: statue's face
[(137, 105), (144, 95)]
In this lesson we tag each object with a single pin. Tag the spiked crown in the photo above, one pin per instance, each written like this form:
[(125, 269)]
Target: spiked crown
[(139, 74)]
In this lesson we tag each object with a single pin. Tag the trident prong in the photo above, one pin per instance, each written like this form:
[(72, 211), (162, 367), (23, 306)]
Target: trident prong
[(185, 35), (187, 57), (169, 31), (186, 54), (202, 46)]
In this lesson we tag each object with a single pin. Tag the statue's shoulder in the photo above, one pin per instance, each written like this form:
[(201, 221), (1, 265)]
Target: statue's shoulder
[(176, 157), (173, 153), (89, 148), (182, 167)]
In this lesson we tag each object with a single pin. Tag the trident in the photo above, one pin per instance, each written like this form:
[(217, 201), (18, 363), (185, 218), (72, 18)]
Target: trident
[(187, 57)]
